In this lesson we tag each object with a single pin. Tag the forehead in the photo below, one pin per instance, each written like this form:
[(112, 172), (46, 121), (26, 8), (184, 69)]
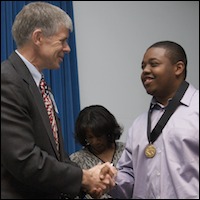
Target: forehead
[(155, 52), (88, 132), (62, 32)]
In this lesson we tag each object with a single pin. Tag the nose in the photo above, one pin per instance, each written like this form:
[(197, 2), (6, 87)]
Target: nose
[(96, 141), (147, 67), (66, 48), (145, 71)]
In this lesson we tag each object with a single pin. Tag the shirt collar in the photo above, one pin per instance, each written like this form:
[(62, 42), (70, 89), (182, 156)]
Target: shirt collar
[(33, 70), (186, 99)]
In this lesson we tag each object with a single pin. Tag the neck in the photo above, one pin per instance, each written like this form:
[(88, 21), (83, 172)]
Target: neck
[(164, 100), (106, 155)]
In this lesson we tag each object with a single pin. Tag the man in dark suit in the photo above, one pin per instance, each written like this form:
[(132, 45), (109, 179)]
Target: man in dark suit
[(31, 165)]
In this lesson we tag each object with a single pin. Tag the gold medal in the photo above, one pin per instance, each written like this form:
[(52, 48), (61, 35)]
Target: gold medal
[(150, 151)]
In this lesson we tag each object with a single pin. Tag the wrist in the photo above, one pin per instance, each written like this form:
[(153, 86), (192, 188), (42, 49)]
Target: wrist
[(87, 175)]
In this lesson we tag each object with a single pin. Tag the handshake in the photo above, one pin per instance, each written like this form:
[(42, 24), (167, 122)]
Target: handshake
[(99, 179)]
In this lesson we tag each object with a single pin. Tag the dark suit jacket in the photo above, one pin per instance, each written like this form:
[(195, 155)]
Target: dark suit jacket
[(30, 165)]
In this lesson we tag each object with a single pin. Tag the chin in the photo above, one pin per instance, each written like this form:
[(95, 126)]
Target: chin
[(150, 92), (56, 66)]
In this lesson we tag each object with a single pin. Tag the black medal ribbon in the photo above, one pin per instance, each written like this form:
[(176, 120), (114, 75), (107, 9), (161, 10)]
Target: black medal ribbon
[(173, 104)]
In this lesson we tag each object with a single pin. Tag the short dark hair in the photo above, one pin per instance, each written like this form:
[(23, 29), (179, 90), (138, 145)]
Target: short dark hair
[(100, 121), (174, 51)]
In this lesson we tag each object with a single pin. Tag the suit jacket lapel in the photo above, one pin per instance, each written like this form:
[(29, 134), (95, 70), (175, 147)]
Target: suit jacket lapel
[(23, 71)]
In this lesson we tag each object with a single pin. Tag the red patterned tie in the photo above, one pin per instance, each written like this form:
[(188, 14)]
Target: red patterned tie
[(49, 106)]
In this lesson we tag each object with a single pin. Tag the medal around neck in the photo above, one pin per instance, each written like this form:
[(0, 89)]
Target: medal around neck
[(150, 151)]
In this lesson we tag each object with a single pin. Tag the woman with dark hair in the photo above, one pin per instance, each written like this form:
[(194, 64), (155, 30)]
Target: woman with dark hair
[(97, 130)]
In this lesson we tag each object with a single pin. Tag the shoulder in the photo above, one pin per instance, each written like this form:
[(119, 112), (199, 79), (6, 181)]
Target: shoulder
[(81, 155), (120, 146), (13, 60), (140, 120), (191, 97), (78, 153), (84, 158)]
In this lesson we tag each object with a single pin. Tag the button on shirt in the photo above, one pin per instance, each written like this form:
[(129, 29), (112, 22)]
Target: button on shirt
[(173, 173)]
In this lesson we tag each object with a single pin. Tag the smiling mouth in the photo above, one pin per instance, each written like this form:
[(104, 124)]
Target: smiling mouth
[(148, 81), (60, 59)]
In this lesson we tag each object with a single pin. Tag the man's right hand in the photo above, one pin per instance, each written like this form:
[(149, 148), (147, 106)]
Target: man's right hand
[(99, 179)]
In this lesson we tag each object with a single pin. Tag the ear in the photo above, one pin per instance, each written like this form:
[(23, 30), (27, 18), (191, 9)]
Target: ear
[(37, 36), (179, 68)]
